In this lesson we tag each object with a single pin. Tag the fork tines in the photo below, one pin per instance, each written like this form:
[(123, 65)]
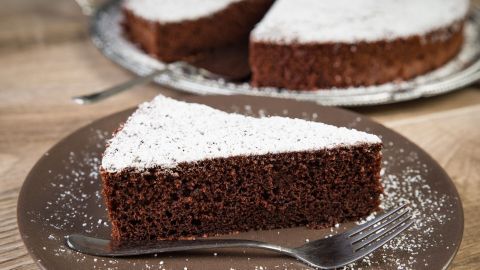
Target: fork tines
[(375, 233)]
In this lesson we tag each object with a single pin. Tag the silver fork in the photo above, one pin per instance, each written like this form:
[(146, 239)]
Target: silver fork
[(186, 69), (336, 251)]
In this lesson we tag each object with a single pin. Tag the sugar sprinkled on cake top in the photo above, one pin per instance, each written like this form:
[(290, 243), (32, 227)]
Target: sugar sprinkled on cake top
[(349, 21), (165, 132), (168, 11)]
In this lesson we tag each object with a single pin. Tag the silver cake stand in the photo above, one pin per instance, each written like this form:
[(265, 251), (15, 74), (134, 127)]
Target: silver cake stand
[(106, 33)]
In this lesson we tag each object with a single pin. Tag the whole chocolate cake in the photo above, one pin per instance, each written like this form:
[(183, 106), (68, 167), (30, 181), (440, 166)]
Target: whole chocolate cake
[(176, 170), (306, 44)]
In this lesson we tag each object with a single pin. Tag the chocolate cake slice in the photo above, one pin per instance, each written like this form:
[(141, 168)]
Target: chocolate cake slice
[(173, 30), (177, 169)]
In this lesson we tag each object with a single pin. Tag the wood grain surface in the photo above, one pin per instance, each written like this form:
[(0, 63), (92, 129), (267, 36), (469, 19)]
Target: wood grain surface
[(46, 58)]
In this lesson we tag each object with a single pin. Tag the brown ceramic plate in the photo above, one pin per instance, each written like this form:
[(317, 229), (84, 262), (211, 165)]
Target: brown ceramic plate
[(61, 195)]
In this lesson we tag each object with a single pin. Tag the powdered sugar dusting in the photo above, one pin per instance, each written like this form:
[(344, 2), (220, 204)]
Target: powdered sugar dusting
[(167, 11), (165, 132), (360, 20)]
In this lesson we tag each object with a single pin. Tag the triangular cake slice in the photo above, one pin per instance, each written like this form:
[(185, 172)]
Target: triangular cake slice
[(177, 169)]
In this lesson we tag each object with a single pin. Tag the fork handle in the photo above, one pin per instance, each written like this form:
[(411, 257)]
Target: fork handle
[(141, 80), (109, 248)]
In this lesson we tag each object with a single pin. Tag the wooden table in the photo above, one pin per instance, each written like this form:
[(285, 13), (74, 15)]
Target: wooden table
[(46, 58)]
